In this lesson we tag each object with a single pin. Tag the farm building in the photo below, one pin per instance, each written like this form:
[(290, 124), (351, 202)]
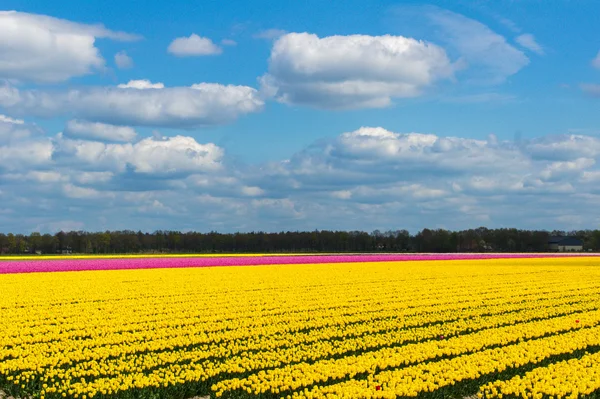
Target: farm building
[(565, 244)]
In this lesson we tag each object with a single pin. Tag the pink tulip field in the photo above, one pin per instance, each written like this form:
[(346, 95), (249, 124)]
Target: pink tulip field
[(62, 264)]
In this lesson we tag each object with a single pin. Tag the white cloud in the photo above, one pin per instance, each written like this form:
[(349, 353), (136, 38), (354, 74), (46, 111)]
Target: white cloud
[(12, 129), (393, 192), (156, 207), (123, 61), (566, 147), (252, 191), (174, 155), (46, 176), (596, 61), (354, 71), (418, 152), (591, 176), (562, 169), (528, 41), (73, 191), (373, 174), (193, 46), (7, 119), (342, 194), (363, 179), (178, 107), (270, 34), (375, 165), (24, 155), (44, 22), (45, 49), (99, 131), (141, 84), (93, 177), (38, 176), (485, 53)]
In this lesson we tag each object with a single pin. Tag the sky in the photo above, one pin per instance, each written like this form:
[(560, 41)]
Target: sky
[(280, 115)]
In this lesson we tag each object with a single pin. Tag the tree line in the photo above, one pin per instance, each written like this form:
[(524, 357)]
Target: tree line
[(427, 240)]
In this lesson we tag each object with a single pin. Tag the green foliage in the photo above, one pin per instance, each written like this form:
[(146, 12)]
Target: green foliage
[(439, 240)]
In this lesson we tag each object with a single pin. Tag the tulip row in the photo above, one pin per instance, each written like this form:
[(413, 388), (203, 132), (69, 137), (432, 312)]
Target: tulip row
[(217, 359), (177, 317), (29, 264), (574, 377), (428, 377), (278, 379), (122, 343), (280, 330)]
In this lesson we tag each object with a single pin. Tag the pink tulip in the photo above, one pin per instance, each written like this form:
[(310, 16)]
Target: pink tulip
[(55, 265)]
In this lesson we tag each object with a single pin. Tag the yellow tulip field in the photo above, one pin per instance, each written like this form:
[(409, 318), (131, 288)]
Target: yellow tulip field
[(488, 328)]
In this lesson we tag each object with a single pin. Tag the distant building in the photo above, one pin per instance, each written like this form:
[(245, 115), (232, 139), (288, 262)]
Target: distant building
[(65, 251), (565, 244)]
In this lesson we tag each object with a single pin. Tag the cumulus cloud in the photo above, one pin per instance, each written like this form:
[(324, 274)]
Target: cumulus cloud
[(379, 173), (141, 84), (591, 176), (93, 177), (45, 176), (23, 156), (123, 61), (40, 48), (417, 152), (228, 183), (193, 46), (528, 41), (178, 107), (565, 147), (355, 71), (252, 191), (173, 155), (149, 177), (373, 165), (99, 131), (341, 194), (156, 207), (73, 191), (367, 178), (562, 169)]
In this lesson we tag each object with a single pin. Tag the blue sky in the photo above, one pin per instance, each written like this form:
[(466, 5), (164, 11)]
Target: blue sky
[(298, 115)]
